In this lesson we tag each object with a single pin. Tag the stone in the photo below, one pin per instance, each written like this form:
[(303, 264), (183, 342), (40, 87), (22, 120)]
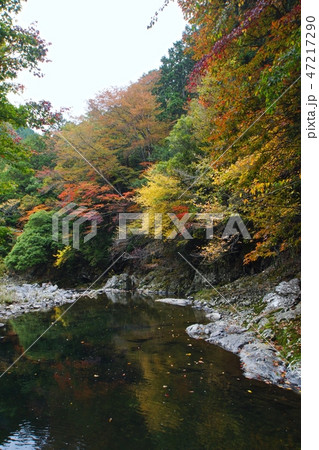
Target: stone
[(122, 282), (291, 287), (286, 295), (288, 315), (293, 376), (196, 331), (31, 297), (229, 337), (175, 301), (260, 361), (232, 342), (213, 316)]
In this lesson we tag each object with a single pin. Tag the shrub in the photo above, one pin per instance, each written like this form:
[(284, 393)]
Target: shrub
[(35, 245)]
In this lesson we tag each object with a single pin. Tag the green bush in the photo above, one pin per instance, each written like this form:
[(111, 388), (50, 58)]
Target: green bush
[(35, 245)]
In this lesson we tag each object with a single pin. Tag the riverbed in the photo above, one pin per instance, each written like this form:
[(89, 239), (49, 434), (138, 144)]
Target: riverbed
[(120, 372)]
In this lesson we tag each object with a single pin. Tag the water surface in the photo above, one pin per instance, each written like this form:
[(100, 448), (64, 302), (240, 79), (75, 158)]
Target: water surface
[(121, 373)]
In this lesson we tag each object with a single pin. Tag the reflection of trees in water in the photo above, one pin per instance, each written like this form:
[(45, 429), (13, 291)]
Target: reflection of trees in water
[(110, 360), (57, 315)]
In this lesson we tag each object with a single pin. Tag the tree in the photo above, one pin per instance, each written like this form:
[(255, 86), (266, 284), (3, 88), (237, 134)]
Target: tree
[(248, 66), (120, 132), (234, 149), (35, 245), (249, 57), (20, 49), (128, 121), (170, 89), (160, 196)]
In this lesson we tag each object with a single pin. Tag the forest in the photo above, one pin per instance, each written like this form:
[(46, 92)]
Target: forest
[(216, 129), (167, 216)]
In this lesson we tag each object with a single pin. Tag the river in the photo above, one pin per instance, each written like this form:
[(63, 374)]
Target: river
[(119, 372)]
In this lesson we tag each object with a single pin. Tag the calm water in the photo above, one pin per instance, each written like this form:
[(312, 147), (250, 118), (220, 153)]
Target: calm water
[(121, 373)]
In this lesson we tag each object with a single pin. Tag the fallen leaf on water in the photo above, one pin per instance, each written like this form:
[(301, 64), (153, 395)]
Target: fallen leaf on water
[(188, 354), (250, 392)]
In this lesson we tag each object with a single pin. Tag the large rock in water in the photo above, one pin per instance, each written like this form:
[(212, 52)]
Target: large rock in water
[(259, 361), (229, 337), (175, 301), (122, 282)]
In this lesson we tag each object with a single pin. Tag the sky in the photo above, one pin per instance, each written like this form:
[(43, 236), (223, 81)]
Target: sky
[(95, 45)]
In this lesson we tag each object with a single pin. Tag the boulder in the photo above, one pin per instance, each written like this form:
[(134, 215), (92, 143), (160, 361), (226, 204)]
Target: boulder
[(260, 361), (122, 282), (229, 337), (291, 287), (286, 295), (288, 315), (213, 316), (175, 301)]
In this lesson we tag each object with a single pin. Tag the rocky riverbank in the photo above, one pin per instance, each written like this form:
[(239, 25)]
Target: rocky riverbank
[(252, 330), (264, 331), (17, 299), (21, 299)]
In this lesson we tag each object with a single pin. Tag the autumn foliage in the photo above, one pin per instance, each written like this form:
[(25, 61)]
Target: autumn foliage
[(216, 129)]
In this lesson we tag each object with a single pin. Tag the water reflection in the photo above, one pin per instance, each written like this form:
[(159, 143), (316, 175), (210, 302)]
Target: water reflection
[(121, 373), (26, 437)]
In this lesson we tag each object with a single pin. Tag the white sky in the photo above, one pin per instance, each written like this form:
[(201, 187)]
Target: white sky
[(96, 44)]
